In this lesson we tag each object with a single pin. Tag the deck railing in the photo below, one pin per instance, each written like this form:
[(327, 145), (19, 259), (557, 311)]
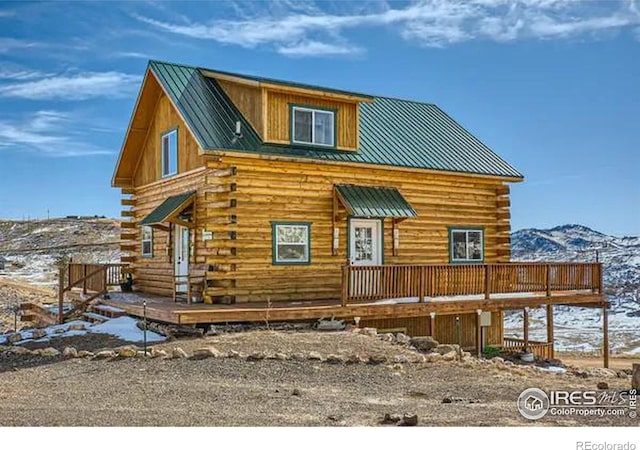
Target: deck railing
[(542, 350), (93, 279), (368, 283)]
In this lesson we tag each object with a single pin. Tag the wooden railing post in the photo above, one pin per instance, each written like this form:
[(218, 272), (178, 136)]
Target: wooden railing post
[(600, 278), (61, 294), (345, 285), (84, 280), (423, 283), (487, 281), (548, 279)]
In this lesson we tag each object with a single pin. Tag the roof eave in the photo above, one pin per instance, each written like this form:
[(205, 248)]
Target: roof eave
[(115, 178)]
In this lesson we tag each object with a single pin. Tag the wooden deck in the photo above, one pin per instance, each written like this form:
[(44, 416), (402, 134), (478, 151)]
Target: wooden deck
[(163, 309)]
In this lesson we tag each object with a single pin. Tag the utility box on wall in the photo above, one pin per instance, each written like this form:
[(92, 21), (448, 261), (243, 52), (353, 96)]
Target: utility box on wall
[(485, 319)]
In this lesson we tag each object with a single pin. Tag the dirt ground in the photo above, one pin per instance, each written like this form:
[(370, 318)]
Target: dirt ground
[(13, 293), (236, 392)]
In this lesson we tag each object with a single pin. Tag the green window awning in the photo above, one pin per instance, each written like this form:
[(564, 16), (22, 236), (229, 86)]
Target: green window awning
[(367, 201), (168, 209)]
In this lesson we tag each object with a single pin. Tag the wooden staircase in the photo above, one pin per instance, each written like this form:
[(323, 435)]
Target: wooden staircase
[(98, 313)]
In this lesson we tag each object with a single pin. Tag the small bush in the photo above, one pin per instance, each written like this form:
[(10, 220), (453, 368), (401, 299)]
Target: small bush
[(490, 351)]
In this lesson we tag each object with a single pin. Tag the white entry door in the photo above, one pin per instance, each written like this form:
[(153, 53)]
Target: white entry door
[(181, 255), (366, 242)]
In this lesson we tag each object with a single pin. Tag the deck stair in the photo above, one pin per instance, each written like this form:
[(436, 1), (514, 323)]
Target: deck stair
[(101, 313)]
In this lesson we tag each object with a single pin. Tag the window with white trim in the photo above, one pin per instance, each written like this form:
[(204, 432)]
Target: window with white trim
[(313, 126), (147, 241), (291, 243), (169, 153), (466, 245)]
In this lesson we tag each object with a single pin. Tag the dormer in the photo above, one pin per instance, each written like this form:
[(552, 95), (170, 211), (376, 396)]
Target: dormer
[(294, 114)]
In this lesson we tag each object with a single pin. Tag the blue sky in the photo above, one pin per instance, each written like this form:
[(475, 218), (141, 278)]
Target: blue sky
[(553, 86)]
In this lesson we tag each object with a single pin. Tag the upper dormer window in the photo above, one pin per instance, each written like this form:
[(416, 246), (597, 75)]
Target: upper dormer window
[(169, 153), (313, 126)]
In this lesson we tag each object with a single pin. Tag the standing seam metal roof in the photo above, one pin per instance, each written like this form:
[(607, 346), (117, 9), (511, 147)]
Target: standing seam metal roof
[(370, 201), (393, 132)]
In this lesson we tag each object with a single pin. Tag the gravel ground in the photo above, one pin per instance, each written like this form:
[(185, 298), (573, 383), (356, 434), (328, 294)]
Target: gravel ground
[(233, 392)]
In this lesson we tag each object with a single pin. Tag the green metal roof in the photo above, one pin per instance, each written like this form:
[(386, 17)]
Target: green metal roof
[(393, 132), (368, 201), (167, 208), (290, 83)]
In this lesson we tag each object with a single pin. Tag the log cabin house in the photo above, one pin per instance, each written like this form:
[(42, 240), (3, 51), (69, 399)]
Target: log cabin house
[(252, 199)]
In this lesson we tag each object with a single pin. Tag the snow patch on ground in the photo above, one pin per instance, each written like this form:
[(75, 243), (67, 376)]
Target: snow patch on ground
[(124, 328)]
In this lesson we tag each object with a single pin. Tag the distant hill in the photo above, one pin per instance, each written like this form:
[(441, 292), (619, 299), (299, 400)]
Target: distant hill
[(32, 247), (620, 256)]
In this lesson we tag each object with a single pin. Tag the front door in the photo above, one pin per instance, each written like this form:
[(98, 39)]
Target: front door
[(365, 249), (181, 255), (365, 242)]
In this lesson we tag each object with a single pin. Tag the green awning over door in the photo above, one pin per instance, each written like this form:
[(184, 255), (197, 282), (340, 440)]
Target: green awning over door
[(369, 201), (168, 209)]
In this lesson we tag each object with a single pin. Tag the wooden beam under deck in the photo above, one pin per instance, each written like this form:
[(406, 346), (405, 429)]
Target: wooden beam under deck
[(171, 312)]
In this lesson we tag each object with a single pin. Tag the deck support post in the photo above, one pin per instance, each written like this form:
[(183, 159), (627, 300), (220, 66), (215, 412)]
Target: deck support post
[(432, 325), (525, 317), (479, 332), (605, 334), (550, 337)]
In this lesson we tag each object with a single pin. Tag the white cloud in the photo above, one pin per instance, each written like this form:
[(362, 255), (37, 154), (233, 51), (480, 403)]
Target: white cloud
[(434, 23), (315, 48), (10, 44), (73, 87), (19, 74), (130, 55), (49, 133)]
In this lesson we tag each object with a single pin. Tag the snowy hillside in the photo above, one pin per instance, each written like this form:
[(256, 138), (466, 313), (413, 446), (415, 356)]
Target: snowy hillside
[(33, 247), (579, 328)]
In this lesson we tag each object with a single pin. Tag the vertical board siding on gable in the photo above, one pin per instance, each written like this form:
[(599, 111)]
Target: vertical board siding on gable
[(270, 190), (166, 118), (279, 122), (248, 100)]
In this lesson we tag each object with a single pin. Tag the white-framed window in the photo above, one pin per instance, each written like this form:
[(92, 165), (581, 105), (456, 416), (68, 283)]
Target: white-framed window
[(291, 243), (467, 245), (169, 153), (147, 241), (313, 126)]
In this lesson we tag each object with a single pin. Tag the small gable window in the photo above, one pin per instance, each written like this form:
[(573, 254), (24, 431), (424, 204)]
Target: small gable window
[(291, 243), (466, 245), (169, 153), (147, 241), (313, 126)]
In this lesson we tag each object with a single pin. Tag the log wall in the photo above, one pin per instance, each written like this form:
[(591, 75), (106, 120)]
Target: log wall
[(269, 190)]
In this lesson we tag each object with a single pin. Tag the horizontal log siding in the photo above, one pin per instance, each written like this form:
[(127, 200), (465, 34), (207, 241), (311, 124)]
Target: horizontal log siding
[(445, 332), (285, 191), (155, 274)]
